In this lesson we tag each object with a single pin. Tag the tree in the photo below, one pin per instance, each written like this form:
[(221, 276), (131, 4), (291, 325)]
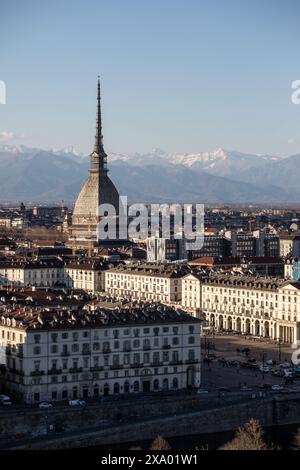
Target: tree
[(297, 439), (248, 437), (160, 443)]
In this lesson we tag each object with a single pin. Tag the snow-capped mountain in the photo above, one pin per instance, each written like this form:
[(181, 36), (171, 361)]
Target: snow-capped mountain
[(218, 177)]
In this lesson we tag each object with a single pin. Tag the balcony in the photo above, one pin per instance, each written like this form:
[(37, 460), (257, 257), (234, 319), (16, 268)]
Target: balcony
[(116, 367), (37, 373), (191, 361), (75, 370), (65, 353), (96, 368), (136, 365), (54, 371), (175, 363), (166, 346), (106, 351), (156, 364), (146, 348)]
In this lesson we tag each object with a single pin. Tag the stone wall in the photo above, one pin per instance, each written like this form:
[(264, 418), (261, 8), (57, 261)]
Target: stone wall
[(199, 419)]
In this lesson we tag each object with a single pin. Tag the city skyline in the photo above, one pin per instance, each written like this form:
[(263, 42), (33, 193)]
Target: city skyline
[(199, 76)]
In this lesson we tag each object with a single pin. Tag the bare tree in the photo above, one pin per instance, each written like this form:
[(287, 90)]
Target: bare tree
[(248, 437), (160, 443), (297, 439)]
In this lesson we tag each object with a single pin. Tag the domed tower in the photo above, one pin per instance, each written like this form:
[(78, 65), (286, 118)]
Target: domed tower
[(98, 189)]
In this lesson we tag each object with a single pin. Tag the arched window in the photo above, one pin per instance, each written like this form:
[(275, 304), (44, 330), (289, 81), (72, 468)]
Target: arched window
[(116, 388)]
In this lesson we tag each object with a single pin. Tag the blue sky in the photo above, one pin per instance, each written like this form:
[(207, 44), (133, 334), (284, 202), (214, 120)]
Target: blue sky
[(185, 76)]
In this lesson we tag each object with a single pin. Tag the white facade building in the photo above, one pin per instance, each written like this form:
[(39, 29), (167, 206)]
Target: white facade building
[(64, 355), (266, 307), (147, 282), (86, 274), (38, 273)]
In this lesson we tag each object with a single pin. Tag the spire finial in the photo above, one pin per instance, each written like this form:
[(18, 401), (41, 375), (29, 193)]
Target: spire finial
[(98, 137), (99, 156)]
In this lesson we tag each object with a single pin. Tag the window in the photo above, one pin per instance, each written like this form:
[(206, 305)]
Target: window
[(37, 339), (191, 355), (166, 356), (191, 339), (146, 358), (36, 350)]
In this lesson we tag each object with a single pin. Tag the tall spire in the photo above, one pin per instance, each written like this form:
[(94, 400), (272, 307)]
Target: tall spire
[(99, 157)]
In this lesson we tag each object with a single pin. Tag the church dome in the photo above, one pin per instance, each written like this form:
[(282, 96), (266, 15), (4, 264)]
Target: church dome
[(98, 189)]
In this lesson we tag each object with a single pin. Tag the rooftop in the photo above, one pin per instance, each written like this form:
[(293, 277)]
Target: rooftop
[(37, 319)]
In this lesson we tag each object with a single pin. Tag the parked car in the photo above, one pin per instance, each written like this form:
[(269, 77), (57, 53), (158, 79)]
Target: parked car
[(285, 365), (277, 372), (277, 387), (245, 388), (265, 369), (201, 391), (45, 405), (270, 362), (77, 403), (5, 400)]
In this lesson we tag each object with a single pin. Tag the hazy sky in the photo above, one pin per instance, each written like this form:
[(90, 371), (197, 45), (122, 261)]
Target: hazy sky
[(185, 76)]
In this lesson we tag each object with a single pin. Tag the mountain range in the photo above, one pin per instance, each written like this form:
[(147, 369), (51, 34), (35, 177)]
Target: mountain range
[(220, 177)]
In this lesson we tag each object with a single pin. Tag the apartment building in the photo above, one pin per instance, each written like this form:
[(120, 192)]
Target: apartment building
[(267, 307), (31, 272), (147, 282), (192, 292), (86, 274), (289, 245), (61, 355)]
